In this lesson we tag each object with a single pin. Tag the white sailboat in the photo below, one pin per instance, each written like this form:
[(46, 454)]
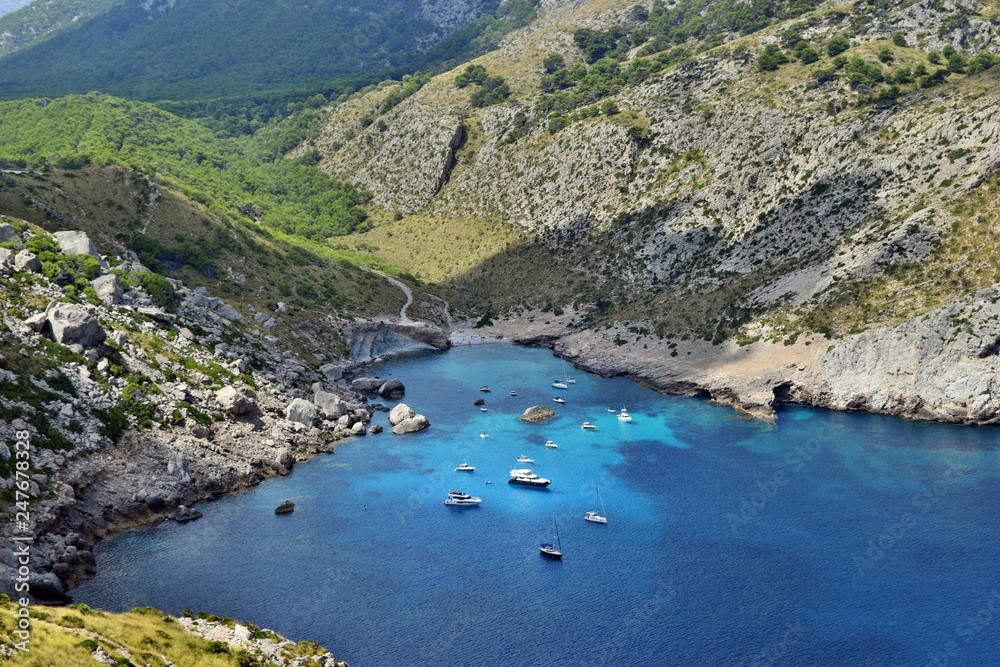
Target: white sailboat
[(594, 516), (552, 550)]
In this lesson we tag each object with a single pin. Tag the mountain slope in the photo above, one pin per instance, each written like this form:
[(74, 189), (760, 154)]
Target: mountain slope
[(41, 19), (184, 49)]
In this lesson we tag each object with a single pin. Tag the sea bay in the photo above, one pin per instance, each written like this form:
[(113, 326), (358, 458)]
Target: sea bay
[(824, 538)]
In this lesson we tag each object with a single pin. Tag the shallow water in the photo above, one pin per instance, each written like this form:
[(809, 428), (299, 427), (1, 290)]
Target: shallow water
[(824, 539)]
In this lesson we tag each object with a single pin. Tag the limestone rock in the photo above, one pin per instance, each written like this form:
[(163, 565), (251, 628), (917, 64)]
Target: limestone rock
[(286, 507), (366, 385), (179, 466), (109, 289), (75, 243), (301, 411), (7, 233), (358, 428), (330, 406), (6, 261), (392, 389), (27, 261), (103, 657), (186, 514), (71, 323), (411, 425), (375, 429), (537, 413), (400, 413), (236, 402)]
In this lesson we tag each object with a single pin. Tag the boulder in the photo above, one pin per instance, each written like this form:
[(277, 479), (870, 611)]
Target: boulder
[(103, 657), (330, 406), (400, 413), (186, 514), (286, 507), (6, 261), (235, 402), (301, 411), (7, 233), (332, 372), (411, 425), (27, 261), (73, 324), (358, 428), (75, 243), (480, 401), (37, 322), (392, 389), (46, 588), (537, 413), (366, 385), (228, 312), (109, 289), (375, 429)]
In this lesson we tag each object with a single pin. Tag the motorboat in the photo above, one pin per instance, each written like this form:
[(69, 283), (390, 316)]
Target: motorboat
[(559, 399), (465, 467), (456, 497), (484, 388), (484, 434), (549, 443), (560, 385), (525, 477), (611, 410), (482, 409), (588, 425), (513, 393), (524, 459), (624, 416)]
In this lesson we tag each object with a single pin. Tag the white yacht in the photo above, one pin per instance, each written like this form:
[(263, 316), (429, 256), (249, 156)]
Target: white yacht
[(482, 409), (465, 467), (588, 425), (559, 399), (560, 385), (484, 388), (570, 381), (456, 497), (549, 443), (513, 393), (525, 477), (624, 416), (524, 459)]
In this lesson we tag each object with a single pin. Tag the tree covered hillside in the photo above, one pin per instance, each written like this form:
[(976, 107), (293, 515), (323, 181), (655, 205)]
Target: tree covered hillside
[(185, 49)]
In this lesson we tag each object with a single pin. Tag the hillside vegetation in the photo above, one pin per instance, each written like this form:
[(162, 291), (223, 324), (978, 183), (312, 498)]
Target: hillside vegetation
[(77, 635)]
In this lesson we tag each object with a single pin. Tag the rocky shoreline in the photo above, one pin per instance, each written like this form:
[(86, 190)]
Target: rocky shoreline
[(941, 366)]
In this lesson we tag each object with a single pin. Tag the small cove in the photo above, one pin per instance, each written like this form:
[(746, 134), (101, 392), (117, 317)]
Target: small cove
[(826, 538)]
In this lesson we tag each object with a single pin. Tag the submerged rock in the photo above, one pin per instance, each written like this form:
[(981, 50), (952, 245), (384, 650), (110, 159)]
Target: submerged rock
[(286, 507)]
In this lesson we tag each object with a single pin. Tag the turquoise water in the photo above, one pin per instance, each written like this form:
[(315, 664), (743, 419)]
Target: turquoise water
[(824, 539)]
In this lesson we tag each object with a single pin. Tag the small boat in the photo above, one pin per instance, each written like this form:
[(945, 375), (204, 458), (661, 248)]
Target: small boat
[(559, 399), (484, 434), (549, 443), (527, 478), (624, 416), (560, 385), (513, 393), (524, 459), (484, 388), (465, 467), (482, 409), (551, 550), (456, 497), (570, 381), (488, 482), (588, 425), (611, 410), (594, 517)]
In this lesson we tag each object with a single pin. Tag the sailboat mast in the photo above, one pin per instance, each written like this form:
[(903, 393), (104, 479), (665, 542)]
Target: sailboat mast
[(555, 531), (599, 501)]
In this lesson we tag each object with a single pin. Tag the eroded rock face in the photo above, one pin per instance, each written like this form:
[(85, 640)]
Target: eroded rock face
[(537, 413), (73, 324)]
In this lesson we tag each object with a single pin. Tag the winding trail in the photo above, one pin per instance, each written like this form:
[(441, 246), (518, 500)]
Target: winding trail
[(403, 318)]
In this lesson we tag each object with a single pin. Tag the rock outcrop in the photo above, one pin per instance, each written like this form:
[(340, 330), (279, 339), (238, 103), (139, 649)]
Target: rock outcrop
[(70, 324), (109, 289), (286, 507), (404, 420), (537, 413)]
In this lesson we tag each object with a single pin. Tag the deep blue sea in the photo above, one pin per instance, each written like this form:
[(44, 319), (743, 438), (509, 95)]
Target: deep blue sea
[(825, 538)]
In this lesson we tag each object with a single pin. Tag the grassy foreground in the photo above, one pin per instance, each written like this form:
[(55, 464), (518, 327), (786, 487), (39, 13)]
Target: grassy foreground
[(63, 636)]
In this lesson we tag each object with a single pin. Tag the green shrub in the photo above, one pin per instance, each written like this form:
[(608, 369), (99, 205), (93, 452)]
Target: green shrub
[(837, 45)]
